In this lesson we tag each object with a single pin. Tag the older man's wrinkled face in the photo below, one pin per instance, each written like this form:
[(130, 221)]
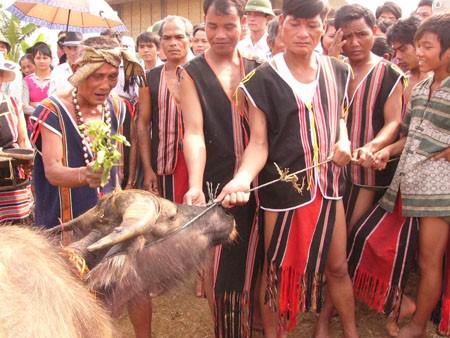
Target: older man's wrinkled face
[(96, 88), (72, 53), (174, 41)]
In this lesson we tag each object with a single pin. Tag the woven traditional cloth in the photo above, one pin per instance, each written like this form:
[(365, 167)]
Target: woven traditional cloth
[(381, 250), (226, 135), (15, 204)]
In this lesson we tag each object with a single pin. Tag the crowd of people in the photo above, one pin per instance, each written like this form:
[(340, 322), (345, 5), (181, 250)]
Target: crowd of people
[(228, 111)]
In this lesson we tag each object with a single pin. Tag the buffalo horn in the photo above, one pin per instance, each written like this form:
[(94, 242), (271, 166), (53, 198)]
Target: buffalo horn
[(138, 219)]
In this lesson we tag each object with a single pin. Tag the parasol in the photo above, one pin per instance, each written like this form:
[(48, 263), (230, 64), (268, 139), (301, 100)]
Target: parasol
[(86, 16)]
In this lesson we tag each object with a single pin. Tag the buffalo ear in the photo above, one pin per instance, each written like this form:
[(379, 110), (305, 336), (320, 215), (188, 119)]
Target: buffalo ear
[(138, 219)]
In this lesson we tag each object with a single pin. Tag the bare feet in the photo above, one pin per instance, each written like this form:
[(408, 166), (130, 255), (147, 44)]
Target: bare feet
[(409, 331), (407, 308), (322, 329)]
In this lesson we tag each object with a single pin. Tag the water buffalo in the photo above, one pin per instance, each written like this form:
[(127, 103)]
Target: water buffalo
[(39, 295), (117, 239)]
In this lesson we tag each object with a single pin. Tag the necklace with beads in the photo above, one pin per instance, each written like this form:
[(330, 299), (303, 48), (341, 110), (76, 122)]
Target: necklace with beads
[(80, 121)]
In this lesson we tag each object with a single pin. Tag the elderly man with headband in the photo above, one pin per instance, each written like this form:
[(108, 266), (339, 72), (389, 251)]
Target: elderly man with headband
[(65, 183)]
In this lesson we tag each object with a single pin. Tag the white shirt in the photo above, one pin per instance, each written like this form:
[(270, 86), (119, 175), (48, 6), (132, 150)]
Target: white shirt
[(259, 50), (59, 79), (305, 91)]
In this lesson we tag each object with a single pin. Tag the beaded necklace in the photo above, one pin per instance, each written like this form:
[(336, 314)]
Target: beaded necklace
[(80, 121)]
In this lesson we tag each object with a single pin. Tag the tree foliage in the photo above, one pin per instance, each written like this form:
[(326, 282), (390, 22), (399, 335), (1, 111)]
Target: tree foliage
[(16, 32)]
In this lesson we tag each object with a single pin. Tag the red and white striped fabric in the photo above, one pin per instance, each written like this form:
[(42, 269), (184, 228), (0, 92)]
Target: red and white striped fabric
[(15, 204)]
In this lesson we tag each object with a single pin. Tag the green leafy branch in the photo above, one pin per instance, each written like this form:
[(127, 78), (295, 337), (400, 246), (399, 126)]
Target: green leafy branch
[(105, 151)]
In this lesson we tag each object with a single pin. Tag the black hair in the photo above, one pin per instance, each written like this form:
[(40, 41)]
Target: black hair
[(305, 9), (148, 37), (422, 3), (223, 7), (277, 11), (100, 42), (439, 25), (330, 19), (348, 13), (198, 27), (384, 24), (112, 34), (381, 47), (27, 56), (43, 48), (403, 31), (390, 7), (272, 29)]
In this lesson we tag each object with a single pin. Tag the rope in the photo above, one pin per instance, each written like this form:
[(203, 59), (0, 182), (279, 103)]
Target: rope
[(284, 177)]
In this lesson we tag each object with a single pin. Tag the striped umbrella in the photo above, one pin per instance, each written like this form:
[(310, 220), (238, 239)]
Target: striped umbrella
[(86, 16)]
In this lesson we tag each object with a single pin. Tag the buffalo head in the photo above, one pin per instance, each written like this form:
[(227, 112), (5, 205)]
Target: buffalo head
[(134, 243)]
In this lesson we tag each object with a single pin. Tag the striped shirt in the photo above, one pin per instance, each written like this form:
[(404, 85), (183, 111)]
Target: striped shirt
[(424, 184), (366, 119), (167, 123), (300, 133)]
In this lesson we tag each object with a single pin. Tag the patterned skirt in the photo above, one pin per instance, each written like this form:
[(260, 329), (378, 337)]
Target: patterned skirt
[(297, 256), (381, 249)]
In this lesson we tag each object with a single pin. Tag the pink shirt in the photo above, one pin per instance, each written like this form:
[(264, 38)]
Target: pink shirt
[(34, 90)]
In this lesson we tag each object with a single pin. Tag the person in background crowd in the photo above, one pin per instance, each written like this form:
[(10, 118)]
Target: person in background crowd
[(258, 13), (26, 64), (382, 48), (245, 33), (160, 122), (401, 37), (147, 47), (199, 42), (329, 36), (11, 88), (36, 85), (388, 11), (62, 58), (424, 9), (274, 41), (382, 27), (155, 29), (15, 192), (59, 79), (112, 34), (441, 6), (214, 141)]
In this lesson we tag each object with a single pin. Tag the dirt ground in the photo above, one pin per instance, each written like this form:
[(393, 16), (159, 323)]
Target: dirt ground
[(180, 314)]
